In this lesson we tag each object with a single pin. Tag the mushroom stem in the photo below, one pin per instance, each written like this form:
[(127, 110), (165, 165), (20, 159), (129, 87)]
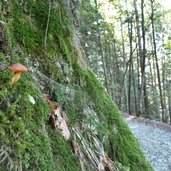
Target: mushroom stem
[(16, 77)]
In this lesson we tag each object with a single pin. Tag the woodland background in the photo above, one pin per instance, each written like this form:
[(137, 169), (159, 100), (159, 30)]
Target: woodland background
[(128, 45)]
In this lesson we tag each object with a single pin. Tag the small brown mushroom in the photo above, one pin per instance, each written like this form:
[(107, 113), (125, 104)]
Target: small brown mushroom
[(17, 69)]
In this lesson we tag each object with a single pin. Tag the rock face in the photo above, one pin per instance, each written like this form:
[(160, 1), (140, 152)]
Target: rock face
[(155, 141), (28, 139)]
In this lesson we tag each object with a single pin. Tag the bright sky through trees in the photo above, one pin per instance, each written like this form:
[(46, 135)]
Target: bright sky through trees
[(167, 4)]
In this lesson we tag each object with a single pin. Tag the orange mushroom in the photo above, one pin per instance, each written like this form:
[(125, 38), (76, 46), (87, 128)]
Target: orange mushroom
[(17, 69)]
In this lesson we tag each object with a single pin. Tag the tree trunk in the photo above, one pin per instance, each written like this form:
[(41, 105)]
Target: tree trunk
[(143, 94), (101, 51), (157, 64), (125, 65), (134, 87), (139, 102), (130, 64)]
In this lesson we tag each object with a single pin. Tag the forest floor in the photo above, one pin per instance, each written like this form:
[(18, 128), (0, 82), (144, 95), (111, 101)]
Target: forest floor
[(155, 140)]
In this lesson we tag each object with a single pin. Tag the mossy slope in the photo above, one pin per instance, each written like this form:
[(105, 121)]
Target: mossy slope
[(25, 134)]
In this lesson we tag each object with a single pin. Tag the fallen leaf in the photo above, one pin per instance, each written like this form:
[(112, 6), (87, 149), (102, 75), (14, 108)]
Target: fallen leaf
[(58, 115), (65, 130)]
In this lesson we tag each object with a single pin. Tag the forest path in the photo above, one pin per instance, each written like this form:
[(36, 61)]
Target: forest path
[(155, 140)]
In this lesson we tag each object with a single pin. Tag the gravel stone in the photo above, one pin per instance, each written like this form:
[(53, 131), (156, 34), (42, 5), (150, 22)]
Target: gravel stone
[(155, 141)]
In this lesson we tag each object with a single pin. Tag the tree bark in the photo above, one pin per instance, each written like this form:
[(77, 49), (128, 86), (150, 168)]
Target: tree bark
[(143, 94), (101, 50), (156, 59), (130, 63)]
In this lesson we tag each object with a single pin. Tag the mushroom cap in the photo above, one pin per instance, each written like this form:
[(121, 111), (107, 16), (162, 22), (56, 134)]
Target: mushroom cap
[(18, 68)]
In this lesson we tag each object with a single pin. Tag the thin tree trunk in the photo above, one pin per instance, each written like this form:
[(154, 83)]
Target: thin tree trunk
[(47, 25), (123, 83), (143, 96), (139, 102), (109, 66), (101, 50), (138, 87), (157, 64), (169, 103), (164, 81), (134, 87), (130, 64)]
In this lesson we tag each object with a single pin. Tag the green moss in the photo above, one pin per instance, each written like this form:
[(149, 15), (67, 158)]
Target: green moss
[(123, 146), (25, 33), (23, 130), (30, 24), (23, 123), (63, 156)]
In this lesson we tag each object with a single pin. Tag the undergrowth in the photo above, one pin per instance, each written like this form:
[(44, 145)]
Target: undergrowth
[(122, 145)]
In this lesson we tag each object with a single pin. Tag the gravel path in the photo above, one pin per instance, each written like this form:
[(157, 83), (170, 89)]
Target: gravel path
[(155, 141)]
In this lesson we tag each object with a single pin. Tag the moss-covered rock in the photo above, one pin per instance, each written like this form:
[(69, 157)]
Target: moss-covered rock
[(27, 139)]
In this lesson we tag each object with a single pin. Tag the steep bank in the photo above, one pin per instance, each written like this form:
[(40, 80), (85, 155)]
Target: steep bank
[(41, 35)]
